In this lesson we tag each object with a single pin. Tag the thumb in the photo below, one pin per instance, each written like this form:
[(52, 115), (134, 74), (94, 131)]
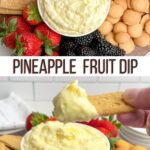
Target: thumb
[(139, 98)]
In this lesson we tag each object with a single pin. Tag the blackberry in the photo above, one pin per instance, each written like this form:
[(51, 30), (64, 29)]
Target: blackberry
[(86, 51), (67, 53), (107, 49), (68, 45), (84, 40), (97, 36)]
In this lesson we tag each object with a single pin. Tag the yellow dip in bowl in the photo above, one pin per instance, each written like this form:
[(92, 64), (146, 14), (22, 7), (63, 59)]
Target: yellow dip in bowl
[(60, 136), (74, 17)]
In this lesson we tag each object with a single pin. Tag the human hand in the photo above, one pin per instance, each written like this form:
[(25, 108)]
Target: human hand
[(140, 99)]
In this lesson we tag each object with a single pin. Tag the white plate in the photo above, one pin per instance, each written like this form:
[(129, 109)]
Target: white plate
[(11, 131)]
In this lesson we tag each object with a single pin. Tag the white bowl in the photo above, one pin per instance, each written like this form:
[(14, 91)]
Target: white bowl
[(99, 132), (40, 7)]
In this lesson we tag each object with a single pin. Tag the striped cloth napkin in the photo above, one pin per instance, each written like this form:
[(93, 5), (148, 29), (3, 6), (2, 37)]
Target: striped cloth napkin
[(13, 113)]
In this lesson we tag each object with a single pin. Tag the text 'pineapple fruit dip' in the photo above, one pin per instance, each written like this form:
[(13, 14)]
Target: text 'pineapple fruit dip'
[(59, 136), (75, 17), (72, 105)]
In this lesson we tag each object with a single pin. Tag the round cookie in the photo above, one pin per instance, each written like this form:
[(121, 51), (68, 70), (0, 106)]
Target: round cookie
[(139, 5), (135, 31), (110, 39), (122, 37), (128, 46), (106, 28), (131, 17), (143, 40), (147, 27), (116, 11), (120, 27)]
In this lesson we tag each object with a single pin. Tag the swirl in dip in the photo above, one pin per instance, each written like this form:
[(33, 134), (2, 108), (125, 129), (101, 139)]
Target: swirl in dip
[(75, 17), (72, 104), (60, 136)]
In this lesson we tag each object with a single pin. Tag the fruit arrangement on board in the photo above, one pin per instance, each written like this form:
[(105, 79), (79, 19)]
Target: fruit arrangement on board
[(28, 35), (108, 126)]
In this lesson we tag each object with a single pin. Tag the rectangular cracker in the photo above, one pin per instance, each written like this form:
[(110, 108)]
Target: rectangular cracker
[(14, 4), (110, 104), (10, 11), (11, 141), (2, 146)]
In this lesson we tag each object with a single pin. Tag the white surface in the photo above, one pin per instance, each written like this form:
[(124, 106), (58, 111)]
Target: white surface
[(5, 51), (13, 113)]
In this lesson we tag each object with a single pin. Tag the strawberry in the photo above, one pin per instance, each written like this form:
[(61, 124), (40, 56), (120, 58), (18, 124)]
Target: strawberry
[(31, 14), (55, 54), (113, 131), (103, 130), (52, 119), (9, 40), (50, 38), (38, 52), (35, 119), (21, 25), (27, 44), (10, 28)]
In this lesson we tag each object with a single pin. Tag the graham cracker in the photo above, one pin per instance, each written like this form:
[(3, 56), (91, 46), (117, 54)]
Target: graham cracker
[(10, 11), (110, 104), (11, 141), (14, 4), (2, 146)]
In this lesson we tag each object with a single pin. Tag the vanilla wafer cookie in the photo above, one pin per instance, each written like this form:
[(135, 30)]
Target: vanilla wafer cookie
[(11, 141), (109, 104)]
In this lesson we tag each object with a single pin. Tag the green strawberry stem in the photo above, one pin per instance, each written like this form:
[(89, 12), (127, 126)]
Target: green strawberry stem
[(38, 118), (33, 13), (7, 28)]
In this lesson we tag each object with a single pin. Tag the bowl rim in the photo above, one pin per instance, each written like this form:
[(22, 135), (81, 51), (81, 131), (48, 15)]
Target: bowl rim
[(40, 8), (79, 124)]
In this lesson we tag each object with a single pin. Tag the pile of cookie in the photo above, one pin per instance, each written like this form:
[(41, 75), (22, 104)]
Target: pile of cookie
[(10, 142), (128, 24)]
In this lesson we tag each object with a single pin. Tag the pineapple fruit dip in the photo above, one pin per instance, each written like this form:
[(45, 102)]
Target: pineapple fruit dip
[(72, 105), (75, 17), (59, 136)]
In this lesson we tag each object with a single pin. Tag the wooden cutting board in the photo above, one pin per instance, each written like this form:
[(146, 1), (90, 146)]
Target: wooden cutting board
[(13, 6)]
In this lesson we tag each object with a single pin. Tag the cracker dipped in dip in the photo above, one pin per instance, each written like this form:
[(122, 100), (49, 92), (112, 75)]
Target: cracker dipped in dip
[(75, 17), (60, 136)]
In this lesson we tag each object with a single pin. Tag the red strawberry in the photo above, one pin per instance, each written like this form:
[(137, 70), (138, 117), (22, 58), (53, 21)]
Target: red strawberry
[(9, 40), (38, 52), (104, 130), (55, 54), (113, 131), (19, 23), (14, 25), (50, 38), (27, 44), (31, 14), (35, 119), (52, 119)]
